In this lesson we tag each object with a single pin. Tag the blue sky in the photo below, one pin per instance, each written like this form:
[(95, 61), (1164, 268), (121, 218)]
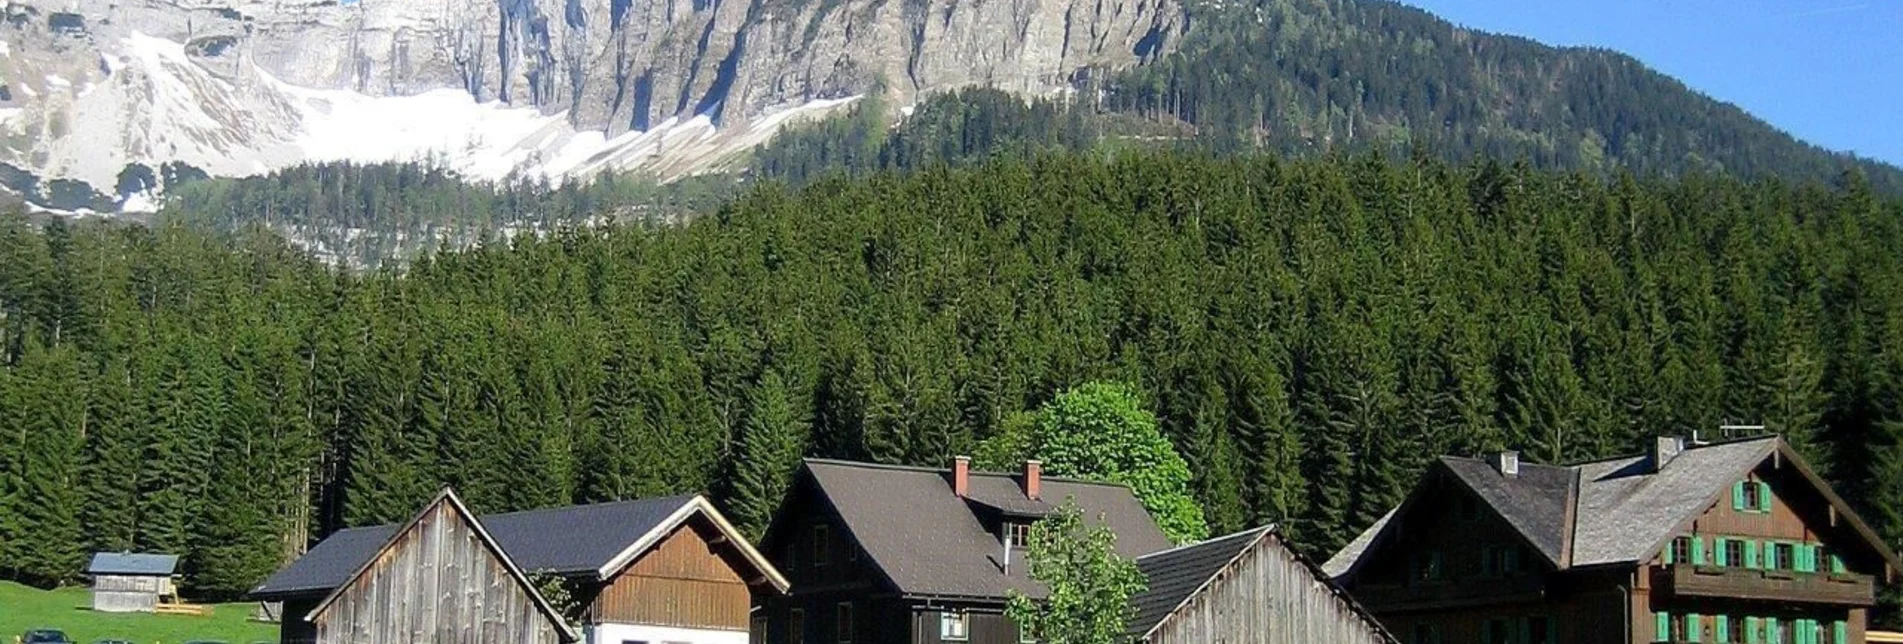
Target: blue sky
[(1828, 71)]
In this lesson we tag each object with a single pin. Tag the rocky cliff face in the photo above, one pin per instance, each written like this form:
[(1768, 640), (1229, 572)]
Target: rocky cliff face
[(241, 86)]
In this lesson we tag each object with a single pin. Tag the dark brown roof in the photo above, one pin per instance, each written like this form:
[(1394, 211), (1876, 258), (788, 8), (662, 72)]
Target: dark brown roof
[(1173, 575), (1534, 502), (929, 542)]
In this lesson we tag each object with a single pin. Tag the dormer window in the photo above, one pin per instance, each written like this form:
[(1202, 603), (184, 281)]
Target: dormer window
[(1017, 533)]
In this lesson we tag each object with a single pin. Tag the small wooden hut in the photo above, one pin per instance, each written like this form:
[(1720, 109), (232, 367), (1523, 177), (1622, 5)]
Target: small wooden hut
[(131, 582)]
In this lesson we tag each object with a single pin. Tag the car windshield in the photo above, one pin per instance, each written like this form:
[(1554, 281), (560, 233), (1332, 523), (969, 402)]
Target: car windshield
[(45, 637)]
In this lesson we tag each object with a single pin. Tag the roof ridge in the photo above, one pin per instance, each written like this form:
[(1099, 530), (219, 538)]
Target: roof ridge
[(1256, 532), (681, 498), (945, 470)]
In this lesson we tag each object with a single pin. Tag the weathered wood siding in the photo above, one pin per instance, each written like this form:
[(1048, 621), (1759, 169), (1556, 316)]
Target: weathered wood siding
[(1267, 596), (127, 593), (687, 580), (439, 584)]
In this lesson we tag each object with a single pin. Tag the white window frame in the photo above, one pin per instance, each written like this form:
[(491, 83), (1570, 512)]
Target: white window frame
[(954, 626)]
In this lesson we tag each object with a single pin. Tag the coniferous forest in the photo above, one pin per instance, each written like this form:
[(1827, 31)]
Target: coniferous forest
[(1309, 334)]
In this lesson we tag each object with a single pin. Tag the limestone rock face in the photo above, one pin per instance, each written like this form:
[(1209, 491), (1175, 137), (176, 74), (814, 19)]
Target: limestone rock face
[(236, 86)]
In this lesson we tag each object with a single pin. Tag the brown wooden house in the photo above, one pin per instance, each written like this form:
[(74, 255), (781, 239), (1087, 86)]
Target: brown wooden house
[(652, 570), (882, 553), (1245, 588), (1729, 542)]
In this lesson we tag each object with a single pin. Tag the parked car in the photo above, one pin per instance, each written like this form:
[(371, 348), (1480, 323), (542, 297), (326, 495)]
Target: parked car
[(45, 636), (112, 641)]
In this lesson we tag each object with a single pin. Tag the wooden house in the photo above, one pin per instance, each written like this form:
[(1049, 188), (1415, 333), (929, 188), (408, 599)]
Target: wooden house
[(883, 553), (652, 570), (131, 582), (1738, 541), (1245, 588), (439, 579)]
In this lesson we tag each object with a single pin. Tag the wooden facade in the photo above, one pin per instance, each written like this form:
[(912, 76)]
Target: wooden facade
[(1268, 596), (1450, 569), (691, 579), (440, 580), (129, 593)]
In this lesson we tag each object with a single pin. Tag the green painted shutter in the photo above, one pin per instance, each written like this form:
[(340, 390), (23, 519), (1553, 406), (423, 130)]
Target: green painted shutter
[(1671, 552), (1751, 631), (1837, 565), (1840, 633), (1737, 496), (1698, 550), (1771, 630), (1718, 555), (1807, 631), (1691, 627), (1664, 627), (1721, 631), (1810, 557), (1764, 496), (1750, 553)]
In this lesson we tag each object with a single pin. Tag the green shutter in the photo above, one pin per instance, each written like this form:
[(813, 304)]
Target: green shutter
[(1806, 631), (1691, 627), (1526, 631), (1764, 496), (1751, 633), (1837, 565), (1721, 631), (1664, 627), (1698, 550), (1807, 557), (1671, 552), (1840, 632), (1718, 555), (1737, 496), (1771, 630), (1751, 553)]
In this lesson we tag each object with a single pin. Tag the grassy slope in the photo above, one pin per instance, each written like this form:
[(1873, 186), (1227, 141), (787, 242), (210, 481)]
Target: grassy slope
[(23, 607)]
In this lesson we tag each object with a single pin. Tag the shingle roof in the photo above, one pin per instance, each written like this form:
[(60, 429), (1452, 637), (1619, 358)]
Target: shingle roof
[(1534, 501), (129, 563), (1622, 509), (564, 541), (929, 542), (1173, 575)]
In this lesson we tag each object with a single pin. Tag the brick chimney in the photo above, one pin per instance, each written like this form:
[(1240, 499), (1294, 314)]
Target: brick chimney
[(1507, 463), (1033, 479), (1664, 449), (961, 476)]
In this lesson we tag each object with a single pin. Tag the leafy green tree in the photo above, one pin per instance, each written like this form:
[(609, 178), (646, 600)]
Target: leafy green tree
[(1087, 585), (1100, 430)]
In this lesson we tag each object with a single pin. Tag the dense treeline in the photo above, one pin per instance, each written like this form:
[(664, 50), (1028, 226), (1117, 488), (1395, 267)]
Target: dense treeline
[(1309, 333), (1317, 75), (364, 214)]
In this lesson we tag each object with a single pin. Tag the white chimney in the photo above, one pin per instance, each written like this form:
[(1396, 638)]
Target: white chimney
[(1664, 449), (1507, 463)]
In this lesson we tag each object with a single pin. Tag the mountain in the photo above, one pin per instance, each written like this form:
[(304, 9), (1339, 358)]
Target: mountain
[(555, 87)]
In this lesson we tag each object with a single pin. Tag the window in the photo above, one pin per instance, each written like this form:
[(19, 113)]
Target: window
[(1017, 533), (821, 538), (1500, 560), (1679, 625), (1468, 508), (1750, 497), (954, 626), (796, 627), (1732, 553), (842, 623), (1426, 634), (1681, 551), (1781, 557), (756, 630), (1426, 566), (1497, 631)]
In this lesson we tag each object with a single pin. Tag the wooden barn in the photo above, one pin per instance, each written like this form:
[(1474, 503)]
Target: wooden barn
[(1245, 588), (651, 570), (131, 582), (443, 553)]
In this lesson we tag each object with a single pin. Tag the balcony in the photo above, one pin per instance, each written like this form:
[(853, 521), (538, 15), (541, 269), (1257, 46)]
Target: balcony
[(1472, 591), (1843, 589)]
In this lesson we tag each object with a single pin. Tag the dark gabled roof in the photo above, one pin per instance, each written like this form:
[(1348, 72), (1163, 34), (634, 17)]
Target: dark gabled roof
[(447, 499), (132, 563), (1614, 511), (1173, 576), (570, 541), (1534, 502), (929, 542)]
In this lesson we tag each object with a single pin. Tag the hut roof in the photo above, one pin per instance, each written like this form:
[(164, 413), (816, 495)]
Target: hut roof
[(132, 563)]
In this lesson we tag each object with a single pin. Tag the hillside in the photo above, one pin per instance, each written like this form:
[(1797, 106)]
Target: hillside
[(1313, 75)]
